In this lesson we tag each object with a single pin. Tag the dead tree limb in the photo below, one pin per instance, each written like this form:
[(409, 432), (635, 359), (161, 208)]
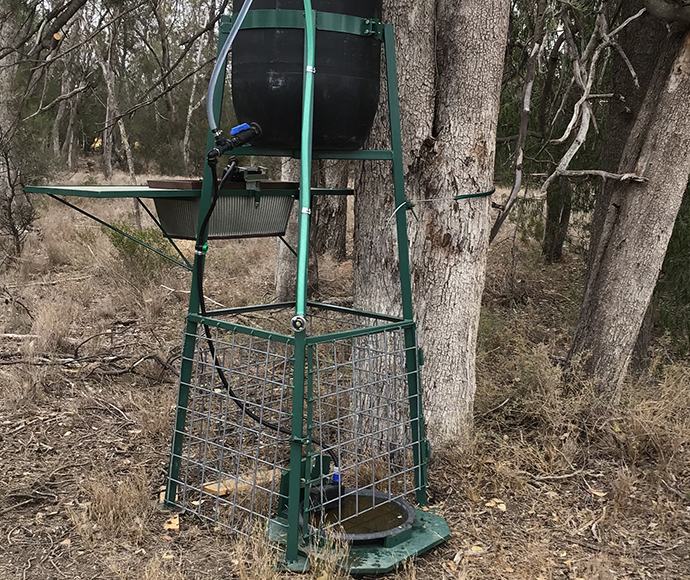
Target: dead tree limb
[(524, 118)]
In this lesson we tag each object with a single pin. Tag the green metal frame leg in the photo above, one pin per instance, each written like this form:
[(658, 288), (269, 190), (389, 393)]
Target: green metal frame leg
[(412, 361), (297, 443), (194, 301)]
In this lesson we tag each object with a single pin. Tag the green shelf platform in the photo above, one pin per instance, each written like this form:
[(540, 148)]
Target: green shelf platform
[(109, 191)]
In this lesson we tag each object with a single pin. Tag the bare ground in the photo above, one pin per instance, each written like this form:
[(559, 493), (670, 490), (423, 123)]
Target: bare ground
[(548, 489)]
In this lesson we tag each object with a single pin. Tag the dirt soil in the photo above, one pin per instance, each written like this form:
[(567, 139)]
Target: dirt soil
[(549, 489)]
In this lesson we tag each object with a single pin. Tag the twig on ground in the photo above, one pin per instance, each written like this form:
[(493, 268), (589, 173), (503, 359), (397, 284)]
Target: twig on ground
[(551, 477), (172, 290), (15, 506), (496, 408)]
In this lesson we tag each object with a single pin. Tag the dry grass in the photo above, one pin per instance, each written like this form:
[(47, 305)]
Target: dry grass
[(115, 508), (84, 447)]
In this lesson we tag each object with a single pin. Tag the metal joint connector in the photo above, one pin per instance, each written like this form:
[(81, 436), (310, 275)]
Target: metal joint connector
[(311, 69), (373, 27), (299, 323), (306, 210)]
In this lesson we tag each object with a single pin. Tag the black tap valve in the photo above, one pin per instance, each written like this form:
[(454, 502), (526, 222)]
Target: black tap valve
[(240, 135)]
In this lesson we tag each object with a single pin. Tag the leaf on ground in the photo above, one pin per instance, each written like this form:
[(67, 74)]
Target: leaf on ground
[(495, 502), (172, 523), (597, 493)]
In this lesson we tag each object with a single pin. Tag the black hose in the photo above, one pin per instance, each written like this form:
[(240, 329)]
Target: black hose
[(217, 187)]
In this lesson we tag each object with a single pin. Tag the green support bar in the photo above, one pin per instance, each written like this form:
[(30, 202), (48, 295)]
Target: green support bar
[(362, 154), (191, 325), (412, 360), (184, 264), (297, 441)]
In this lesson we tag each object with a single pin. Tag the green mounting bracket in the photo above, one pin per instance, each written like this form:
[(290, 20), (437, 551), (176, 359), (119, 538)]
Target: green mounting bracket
[(326, 21)]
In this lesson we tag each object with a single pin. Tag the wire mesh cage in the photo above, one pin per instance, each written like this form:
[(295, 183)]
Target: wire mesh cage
[(363, 445)]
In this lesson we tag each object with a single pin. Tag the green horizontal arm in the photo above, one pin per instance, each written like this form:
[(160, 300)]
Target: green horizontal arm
[(363, 154)]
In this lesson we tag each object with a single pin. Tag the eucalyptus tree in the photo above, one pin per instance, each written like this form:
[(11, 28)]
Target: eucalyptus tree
[(450, 67), (29, 33), (639, 215)]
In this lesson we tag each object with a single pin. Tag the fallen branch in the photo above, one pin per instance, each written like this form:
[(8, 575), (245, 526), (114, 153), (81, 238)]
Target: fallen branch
[(603, 174), (15, 506)]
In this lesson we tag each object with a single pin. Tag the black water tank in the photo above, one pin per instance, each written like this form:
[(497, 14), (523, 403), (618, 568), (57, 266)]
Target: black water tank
[(267, 78)]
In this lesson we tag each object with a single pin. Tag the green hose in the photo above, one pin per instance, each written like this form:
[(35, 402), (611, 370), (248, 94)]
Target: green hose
[(305, 165)]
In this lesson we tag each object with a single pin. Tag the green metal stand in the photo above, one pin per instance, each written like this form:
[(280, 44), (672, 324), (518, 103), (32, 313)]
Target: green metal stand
[(429, 529)]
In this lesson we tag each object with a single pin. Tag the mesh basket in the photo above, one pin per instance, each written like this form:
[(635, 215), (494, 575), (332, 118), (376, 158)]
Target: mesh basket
[(241, 215), (233, 469)]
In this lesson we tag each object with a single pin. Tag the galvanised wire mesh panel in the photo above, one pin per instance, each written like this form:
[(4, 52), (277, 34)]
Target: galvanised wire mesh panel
[(236, 438), (235, 442), (361, 402)]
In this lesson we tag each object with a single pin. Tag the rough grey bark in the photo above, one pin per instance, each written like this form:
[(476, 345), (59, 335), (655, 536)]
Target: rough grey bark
[(641, 41), (62, 107), (450, 67), (113, 112), (68, 147), (638, 224), (330, 211), (194, 104), (16, 213), (286, 262)]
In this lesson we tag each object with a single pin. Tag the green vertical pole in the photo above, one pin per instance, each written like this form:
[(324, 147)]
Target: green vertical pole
[(299, 324), (197, 272), (308, 450), (412, 359)]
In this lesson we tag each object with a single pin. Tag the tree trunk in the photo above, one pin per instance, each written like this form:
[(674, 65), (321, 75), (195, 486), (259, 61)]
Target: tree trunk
[(108, 139), (190, 111), (641, 41), (286, 261), (68, 146), (330, 211), (62, 107), (450, 71), (328, 231), (558, 209), (638, 223), (16, 213), (164, 38)]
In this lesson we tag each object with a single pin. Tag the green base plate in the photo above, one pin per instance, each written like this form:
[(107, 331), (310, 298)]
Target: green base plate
[(428, 531)]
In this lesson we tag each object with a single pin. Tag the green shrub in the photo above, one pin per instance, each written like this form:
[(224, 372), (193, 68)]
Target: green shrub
[(138, 259)]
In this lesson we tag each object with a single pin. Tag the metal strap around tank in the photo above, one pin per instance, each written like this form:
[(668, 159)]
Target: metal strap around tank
[(326, 21)]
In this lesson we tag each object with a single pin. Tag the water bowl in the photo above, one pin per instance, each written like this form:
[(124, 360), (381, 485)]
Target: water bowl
[(360, 516)]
